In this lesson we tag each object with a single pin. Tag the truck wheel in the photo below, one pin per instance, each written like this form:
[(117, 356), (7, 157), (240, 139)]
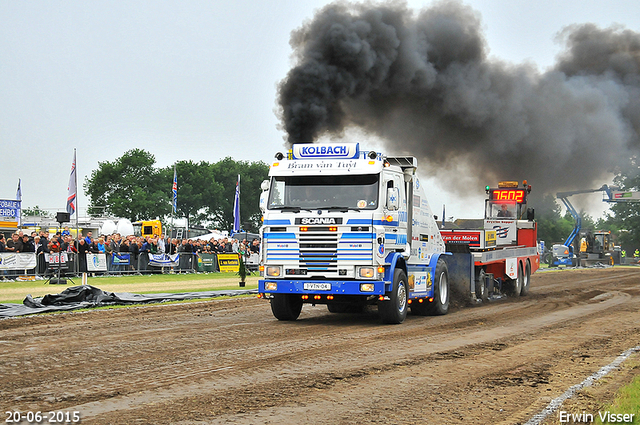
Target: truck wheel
[(527, 280), (286, 306), (482, 293), (440, 304), (394, 311), (515, 285)]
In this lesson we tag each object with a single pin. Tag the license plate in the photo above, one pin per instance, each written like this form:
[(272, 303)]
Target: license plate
[(317, 286)]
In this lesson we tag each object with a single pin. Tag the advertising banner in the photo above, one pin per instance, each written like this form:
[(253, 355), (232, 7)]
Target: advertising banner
[(96, 262), (121, 259), (9, 213), (54, 258), (228, 262), (206, 262), (164, 260), (17, 261)]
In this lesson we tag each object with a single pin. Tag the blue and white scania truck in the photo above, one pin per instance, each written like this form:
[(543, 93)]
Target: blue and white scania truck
[(350, 228)]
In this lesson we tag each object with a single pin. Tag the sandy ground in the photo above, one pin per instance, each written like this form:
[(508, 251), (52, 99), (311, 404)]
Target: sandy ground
[(230, 361)]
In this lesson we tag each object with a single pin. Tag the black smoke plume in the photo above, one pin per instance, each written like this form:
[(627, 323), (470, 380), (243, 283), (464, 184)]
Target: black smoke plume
[(423, 83)]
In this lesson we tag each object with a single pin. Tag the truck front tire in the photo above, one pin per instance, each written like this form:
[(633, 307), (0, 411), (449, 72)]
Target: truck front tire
[(394, 311), (286, 307)]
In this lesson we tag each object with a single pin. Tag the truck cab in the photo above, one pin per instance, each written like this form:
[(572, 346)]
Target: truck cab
[(347, 228)]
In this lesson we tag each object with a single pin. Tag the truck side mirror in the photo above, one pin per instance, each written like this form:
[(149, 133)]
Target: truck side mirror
[(530, 214), (264, 197), (393, 198)]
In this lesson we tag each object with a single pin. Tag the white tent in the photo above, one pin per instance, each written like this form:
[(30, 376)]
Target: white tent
[(208, 236)]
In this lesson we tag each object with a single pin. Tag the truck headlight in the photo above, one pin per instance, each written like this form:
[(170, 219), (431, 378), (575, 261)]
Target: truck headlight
[(274, 271), (366, 272), (270, 286)]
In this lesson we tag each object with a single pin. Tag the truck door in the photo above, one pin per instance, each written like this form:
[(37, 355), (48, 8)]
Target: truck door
[(396, 229)]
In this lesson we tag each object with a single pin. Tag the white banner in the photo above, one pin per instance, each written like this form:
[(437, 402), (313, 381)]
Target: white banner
[(17, 261), (54, 257), (96, 262), (164, 260)]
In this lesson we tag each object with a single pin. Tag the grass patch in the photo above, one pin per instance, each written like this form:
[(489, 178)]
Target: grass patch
[(15, 292), (627, 401)]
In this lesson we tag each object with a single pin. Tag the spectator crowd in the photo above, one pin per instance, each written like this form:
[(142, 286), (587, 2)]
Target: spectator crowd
[(113, 246)]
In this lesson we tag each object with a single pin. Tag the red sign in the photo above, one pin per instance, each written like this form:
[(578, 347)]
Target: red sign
[(470, 238), (517, 195)]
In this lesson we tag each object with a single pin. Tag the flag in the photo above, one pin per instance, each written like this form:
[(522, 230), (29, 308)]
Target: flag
[(19, 199), (236, 208), (175, 191), (443, 216), (73, 191)]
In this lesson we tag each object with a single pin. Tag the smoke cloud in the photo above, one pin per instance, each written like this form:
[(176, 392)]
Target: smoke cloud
[(422, 82)]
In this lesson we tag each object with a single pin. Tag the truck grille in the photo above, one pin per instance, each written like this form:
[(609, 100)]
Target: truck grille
[(319, 251)]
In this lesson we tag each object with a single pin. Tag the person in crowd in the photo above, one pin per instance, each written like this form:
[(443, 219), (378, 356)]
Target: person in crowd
[(27, 245), (89, 238), (14, 244), (70, 244), (255, 246), (54, 245), (134, 250), (66, 231), (161, 245), (3, 243), (83, 248), (101, 246)]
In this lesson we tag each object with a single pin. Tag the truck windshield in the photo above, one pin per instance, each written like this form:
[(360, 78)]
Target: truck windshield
[(321, 192)]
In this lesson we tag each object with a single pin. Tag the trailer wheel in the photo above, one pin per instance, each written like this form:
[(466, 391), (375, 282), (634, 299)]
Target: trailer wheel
[(394, 311), (286, 306), (527, 280), (440, 304), (515, 285), (482, 292)]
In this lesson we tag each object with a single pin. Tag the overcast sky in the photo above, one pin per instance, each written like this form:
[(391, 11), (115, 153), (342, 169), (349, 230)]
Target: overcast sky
[(194, 80)]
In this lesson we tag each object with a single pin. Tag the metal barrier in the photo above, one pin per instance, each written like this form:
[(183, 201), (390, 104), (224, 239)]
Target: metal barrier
[(71, 264)]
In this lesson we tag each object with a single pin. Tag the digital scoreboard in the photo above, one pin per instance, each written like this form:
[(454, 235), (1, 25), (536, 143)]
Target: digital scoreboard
[(517, 195)]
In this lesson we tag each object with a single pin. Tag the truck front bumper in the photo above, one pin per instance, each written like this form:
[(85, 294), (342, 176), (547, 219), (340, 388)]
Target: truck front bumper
[(323, 287)]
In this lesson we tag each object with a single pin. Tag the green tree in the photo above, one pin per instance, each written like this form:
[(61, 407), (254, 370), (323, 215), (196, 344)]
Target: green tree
[(251, 174), (197, 188), (626, 215), (129, 187), (36, 211)]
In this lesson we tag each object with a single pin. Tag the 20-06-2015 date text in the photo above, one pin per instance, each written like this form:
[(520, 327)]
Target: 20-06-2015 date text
[(52, 417)]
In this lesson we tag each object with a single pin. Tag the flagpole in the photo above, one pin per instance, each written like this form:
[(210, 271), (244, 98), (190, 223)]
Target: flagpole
[(174, 200), (19, 198), (76, 267)]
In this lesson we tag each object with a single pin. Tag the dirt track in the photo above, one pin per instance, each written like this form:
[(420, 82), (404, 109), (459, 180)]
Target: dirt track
[(230, 361)]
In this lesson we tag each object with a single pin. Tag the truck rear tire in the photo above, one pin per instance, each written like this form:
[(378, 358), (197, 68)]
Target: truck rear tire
[(286, 306), (394, 311), (514, 286), (482, 292), (527, 280), (440, 304)]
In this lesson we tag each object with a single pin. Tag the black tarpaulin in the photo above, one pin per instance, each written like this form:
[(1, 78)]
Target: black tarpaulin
[(87, 296)]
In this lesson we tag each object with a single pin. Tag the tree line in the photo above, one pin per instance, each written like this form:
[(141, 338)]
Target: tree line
[(133, 187)]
